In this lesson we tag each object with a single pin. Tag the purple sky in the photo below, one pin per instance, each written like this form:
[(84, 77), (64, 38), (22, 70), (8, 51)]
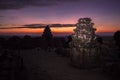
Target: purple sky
[(17, 13)]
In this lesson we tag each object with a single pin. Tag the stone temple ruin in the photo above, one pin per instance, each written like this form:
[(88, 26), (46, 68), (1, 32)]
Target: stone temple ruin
[(85, 50)]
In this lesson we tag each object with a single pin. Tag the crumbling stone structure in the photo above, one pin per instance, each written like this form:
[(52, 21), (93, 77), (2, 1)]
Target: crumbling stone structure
[(85, 50)]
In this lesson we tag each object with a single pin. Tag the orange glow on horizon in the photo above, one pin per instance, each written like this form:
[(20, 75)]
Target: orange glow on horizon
[(23, 30), (106, 29), (62, 30), (56, 30), (26, 30)]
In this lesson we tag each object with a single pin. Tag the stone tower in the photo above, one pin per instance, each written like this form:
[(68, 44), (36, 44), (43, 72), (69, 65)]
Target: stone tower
[(84, 45), (84, 33)]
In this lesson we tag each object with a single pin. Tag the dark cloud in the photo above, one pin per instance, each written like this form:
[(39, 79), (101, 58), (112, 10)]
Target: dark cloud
[(51, 25), (17, 4), (8, 17), (10, 27), (2, 16), (36, 26)]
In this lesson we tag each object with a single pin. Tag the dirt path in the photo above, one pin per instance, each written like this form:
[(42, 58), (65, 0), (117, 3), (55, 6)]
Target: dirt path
[(48, 66)]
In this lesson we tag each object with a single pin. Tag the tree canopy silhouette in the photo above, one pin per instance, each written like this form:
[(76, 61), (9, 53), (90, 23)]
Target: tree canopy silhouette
[(47, 37), (13, 42), (116, 37), (47, 34)]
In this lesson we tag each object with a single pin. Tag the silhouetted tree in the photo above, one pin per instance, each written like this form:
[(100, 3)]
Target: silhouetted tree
[(27, 42), (47, 36), (38, 42), (2, 42), (116, 37), (13, 42)]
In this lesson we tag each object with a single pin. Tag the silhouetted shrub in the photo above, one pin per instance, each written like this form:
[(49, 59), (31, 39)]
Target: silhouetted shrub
[(11, 66), (2, 42), (58, 42), (99, 40), (13, 42), (63, 52), (27, 42), (112, 69), (69, 39)]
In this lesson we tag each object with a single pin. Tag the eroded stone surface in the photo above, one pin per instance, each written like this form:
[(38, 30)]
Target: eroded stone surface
[(84, 47)]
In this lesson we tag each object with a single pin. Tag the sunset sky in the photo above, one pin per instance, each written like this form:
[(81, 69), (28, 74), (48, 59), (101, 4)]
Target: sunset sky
[(28, 17)]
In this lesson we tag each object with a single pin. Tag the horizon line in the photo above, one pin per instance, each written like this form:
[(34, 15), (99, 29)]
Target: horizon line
[(54, 34)]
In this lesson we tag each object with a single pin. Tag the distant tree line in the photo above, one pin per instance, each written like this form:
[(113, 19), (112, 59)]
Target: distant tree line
[(45, 41), (28, 42)]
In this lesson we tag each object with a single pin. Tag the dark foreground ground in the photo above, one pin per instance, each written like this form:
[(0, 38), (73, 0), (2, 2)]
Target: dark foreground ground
[(43, 65)]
